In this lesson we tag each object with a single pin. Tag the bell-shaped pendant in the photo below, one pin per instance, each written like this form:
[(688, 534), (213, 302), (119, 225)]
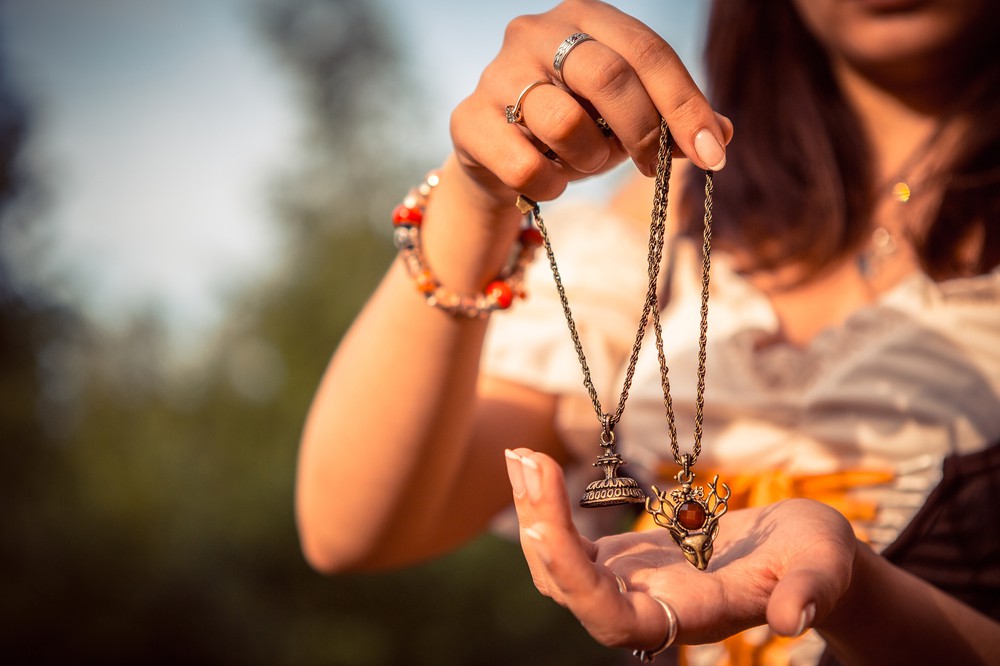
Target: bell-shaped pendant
[(612, 489)]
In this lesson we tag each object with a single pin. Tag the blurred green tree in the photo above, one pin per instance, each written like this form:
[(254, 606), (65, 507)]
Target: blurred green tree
[(147, 500)]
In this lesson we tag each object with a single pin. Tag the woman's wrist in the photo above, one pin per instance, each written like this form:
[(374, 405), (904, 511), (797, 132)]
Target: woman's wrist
[(888, 615), (506, 286), (851, 606), (468, 232)]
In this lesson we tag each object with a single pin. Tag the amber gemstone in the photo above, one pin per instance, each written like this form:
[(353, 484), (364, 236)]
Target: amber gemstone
[(407, 215), (690, 515), (501, 293)]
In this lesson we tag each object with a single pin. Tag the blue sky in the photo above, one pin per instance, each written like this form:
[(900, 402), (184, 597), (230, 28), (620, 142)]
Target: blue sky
[(161, 122)]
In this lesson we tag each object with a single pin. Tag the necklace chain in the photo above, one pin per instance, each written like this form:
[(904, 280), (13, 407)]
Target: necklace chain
[(688, 460), (657, 237)]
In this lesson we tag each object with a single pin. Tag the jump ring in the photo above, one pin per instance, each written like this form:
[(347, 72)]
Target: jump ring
[(513, 111), (605, 128), (647, 656), (565, 47)]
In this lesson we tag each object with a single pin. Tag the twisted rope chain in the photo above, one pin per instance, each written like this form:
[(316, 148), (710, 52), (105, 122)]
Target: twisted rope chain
[(657, 235), (688, 460)]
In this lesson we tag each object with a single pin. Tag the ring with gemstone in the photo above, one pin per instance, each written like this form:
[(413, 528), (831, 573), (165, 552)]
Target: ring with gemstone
[(514, 112), (565, 47)]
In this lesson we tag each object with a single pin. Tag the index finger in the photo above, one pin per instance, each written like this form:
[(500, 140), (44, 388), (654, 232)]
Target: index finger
[(633, 76), (588, 589)]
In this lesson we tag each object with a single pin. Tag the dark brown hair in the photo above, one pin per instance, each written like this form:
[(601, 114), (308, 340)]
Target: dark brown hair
[(799, 147)]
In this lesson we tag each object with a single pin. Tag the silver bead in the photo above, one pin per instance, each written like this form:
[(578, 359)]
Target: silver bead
[(403, 238)]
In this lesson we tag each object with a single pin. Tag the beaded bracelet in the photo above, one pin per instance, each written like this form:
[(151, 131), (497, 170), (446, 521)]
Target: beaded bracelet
[(499, 293)]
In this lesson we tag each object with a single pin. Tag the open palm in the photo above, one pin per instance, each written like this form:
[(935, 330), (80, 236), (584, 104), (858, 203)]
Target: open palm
[(781, 564)]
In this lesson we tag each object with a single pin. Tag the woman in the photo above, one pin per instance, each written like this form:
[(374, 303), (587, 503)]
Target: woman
[(851, 353)]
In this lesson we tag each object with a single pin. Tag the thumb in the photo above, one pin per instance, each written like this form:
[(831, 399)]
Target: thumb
[(815, 579)]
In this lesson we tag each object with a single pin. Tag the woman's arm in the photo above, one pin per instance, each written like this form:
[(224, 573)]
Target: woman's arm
[(398, 420), (889, 616), (400, 457)]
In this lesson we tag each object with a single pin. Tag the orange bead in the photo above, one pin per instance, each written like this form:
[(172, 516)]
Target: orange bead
[(426, 282), (501, 293)]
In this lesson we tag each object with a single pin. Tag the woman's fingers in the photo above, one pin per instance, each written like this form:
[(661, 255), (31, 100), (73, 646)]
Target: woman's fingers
[(629, 74), (601, 74), (499, 156), (604, 105), (560, 122), (562, 560)]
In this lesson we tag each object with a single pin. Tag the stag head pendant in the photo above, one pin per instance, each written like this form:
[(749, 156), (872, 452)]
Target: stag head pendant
[(691, 518)]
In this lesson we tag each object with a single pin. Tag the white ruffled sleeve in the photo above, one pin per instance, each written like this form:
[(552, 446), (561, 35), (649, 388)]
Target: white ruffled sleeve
[(602, 261)]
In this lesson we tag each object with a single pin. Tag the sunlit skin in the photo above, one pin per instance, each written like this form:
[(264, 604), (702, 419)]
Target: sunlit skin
[(899, 43), (418, 399)]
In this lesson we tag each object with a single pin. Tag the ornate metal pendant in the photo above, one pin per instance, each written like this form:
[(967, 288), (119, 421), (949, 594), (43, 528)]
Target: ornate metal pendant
[(691, 518), (612, 489)]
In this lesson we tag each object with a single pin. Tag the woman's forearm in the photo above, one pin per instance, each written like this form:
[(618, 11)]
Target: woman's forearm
[(889, 616), (395, 408)]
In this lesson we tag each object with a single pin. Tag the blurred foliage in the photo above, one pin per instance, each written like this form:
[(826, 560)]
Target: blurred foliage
[(147, 502)]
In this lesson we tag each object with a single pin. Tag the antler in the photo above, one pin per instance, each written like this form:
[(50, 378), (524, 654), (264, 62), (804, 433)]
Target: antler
[(660, 516), (717, 504)]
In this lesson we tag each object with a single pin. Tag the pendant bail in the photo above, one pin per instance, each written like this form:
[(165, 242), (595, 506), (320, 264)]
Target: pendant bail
[(608, 434), (612, 489), (685, 476)]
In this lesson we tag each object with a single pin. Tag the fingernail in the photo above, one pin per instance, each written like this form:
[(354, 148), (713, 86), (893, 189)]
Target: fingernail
[(537, 543), (532, 478), (515, 472), (806, 618), (709, 150)]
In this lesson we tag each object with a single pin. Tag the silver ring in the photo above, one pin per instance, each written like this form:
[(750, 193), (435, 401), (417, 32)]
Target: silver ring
[(622, 587), (567, 45), (513, 111), (647, 656)]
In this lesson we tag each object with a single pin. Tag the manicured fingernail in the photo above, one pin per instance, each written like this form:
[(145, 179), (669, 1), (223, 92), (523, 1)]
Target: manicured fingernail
[(515, 472), (538, 544), (806, 618), (532, 478), (709, 150)]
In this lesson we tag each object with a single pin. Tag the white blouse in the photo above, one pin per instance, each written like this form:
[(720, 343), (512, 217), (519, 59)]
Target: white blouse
[(897, 386)]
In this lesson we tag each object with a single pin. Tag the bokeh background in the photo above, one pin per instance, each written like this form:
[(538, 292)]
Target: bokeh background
[(193, 206)]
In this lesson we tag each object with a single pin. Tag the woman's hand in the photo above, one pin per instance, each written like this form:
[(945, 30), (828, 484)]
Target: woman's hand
[(626, 74), (786, 565)]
